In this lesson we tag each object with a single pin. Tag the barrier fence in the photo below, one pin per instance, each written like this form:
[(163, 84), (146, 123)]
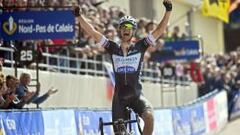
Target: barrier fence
[(82, 65), (207, 115), (95, 67)]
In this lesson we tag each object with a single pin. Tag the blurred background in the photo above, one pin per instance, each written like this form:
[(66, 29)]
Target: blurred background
[(191, 76)]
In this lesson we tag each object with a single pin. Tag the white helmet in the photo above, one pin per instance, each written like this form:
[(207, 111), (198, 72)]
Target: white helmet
[(128, 19)]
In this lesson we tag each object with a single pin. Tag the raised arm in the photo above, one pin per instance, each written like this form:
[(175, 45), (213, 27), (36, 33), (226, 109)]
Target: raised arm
[(163, 24), (87, 26)]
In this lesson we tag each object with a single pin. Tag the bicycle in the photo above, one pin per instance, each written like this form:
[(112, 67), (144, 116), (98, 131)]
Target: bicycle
[(121, 124)]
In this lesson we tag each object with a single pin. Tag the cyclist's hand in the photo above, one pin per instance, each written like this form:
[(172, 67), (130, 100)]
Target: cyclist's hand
[(52, 91), (168, 5), (77, 11)]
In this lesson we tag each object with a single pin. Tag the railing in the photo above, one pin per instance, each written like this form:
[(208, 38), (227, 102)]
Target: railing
[(63, 65), (85, 66), (8, 53)]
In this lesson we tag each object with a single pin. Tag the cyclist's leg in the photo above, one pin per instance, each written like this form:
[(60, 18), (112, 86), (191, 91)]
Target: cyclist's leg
[(118, 111), (144, 108)]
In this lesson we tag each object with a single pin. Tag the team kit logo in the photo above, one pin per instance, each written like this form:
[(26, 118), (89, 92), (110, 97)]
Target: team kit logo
[(127, 64), (9, 26)]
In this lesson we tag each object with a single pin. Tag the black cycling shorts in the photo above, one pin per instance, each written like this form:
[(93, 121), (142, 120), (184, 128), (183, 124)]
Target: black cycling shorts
[(139, 105)]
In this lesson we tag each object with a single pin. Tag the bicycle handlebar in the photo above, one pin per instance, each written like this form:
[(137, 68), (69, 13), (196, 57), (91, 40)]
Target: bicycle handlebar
[(119, 122)]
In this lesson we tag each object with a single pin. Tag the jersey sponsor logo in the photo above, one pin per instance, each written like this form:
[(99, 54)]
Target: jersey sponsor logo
[(132, 51), (127, 64), (126, 68)]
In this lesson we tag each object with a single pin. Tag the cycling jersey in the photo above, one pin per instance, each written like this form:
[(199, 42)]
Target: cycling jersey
[(127, 68)]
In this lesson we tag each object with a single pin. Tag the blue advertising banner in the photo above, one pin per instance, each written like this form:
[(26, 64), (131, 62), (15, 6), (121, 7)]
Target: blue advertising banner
[(179, 50), (163, 122), (88, 122), (22, 25), (197, 120), (107, 117), (2, 129), (181, 121), (22, 123), (59, 122)]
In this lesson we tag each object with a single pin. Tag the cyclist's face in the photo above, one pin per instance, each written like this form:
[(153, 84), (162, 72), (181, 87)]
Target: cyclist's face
[(126, 31)]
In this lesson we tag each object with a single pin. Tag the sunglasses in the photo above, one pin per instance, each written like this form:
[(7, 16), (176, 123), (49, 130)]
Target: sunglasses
[(127, 26)]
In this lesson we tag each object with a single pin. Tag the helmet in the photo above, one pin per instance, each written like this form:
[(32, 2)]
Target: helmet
[(128, 19)]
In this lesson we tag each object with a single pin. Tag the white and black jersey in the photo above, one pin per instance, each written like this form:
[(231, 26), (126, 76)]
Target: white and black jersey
[(127, 68)]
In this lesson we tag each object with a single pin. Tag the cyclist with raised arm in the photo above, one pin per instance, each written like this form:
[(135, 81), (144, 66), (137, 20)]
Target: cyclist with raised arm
[(127, 59)]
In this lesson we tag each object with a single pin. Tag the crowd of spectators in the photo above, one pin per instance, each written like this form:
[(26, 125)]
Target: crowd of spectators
[(14, 92), (211, 72), (221, 71), (105, 20)]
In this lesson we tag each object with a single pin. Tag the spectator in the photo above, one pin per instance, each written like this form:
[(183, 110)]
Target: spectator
[(195, 72), (23, 4), (179, 71), (1, 75), (10, 99), (175, 33), (238, 70), (218, 83), (141, 32), (208, 81), (22, 90), (233, 96), (150, 27), (1, 6), (2, 89), (221, 61), (228, 82)]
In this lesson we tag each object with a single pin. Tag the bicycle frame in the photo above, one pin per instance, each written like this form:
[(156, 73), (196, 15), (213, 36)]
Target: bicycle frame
[(121, 124)]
